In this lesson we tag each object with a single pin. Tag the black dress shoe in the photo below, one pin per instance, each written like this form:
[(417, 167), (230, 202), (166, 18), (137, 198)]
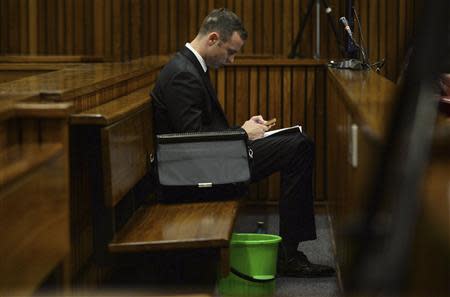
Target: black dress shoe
[(299, 266)]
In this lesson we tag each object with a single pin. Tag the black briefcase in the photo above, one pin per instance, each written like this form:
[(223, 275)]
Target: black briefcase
[(202, 165)]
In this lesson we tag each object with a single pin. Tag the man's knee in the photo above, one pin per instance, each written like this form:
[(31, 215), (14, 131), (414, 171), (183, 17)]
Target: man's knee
[(300, 150), (304, 145)]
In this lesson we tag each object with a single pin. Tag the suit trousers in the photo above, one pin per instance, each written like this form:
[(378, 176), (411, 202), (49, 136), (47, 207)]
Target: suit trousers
[(293, 155)]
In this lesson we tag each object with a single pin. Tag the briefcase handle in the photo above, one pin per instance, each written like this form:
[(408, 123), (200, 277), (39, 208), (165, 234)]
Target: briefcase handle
[(201, 136)]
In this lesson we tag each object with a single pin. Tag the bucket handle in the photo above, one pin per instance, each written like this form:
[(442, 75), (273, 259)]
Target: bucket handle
[(250, 278)]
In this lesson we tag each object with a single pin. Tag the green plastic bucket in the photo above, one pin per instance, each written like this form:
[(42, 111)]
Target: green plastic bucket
[(253, 261)]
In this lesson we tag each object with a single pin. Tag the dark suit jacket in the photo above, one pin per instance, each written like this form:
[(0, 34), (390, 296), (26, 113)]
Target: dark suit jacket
[(184, 99)]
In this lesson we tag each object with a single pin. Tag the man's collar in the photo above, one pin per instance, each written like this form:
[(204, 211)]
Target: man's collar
[(197, 55)]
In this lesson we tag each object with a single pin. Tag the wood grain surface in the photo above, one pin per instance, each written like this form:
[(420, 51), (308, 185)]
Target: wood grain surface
[(171, 226), (124, 151), (115, 110), (34, 223)]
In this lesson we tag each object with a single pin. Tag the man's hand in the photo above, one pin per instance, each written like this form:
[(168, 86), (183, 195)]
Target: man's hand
[(254, 130), (258, 119)]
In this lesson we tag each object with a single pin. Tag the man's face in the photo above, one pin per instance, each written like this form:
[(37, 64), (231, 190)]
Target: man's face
[(221, 53)]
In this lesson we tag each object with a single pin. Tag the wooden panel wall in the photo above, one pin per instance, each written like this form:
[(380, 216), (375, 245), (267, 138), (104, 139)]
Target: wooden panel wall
[(387, 28), (127, 29), (293, 93)]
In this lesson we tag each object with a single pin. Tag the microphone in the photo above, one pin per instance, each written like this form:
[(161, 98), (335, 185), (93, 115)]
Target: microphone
[(344, 22)]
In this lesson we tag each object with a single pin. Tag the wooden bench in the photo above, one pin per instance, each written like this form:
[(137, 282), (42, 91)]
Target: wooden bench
[(34, 200), (110, 152)]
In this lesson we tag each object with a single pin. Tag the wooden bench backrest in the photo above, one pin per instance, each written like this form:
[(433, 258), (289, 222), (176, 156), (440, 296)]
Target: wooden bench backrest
[(126, 147), (110, 152), (126, 142)]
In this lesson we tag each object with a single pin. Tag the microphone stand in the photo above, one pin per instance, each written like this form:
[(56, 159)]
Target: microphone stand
[(364, 61), (379, 64), (353, 64), (295, 50)]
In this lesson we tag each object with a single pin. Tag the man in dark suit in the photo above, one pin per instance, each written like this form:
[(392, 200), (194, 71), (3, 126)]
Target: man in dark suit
[(185, 101)]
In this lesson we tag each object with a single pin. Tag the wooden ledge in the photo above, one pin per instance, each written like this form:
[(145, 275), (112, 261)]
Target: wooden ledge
[(76, 80), (369, 98), (32, 68), (114, 110), (177, 226), (276, 61), (6, 109), (50, 59), (44, 109), (19, 160), (8, 104)]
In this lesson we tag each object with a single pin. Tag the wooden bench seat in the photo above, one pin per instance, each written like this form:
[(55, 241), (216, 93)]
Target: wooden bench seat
[(172, 226), (116, 140)]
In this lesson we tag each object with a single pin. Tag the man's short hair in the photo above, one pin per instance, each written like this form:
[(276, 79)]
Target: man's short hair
[(225, 22)]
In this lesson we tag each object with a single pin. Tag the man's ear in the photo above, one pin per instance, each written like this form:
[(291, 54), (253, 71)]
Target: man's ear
[(213, 38)]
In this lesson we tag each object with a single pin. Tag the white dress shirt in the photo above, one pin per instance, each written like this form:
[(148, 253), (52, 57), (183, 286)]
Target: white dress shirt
[(199, 58)]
